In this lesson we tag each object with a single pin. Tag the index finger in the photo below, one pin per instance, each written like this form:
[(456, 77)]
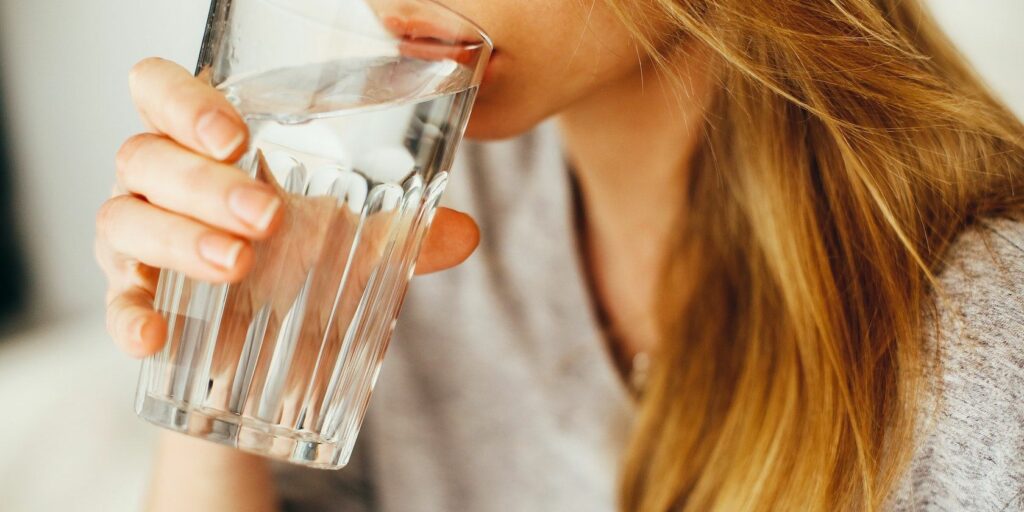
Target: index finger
[(186, 109)]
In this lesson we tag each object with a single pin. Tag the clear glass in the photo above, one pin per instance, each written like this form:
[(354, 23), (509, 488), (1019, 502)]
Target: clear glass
[(355, 108)]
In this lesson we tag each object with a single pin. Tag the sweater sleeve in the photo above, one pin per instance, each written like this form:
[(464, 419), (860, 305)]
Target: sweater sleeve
[(969, 450)]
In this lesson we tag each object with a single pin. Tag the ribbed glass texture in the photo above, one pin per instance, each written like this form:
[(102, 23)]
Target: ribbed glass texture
[(358, 148)]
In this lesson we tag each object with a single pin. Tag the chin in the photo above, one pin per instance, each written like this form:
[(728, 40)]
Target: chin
[(484, 126), (496, 120)]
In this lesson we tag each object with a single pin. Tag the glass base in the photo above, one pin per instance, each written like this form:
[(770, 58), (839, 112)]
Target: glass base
[(247, 434)]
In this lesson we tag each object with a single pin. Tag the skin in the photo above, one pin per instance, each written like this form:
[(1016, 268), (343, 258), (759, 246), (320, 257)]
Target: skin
[(180, 204)]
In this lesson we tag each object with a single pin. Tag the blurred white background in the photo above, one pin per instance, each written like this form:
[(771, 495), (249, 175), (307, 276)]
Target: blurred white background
[(64, 65)]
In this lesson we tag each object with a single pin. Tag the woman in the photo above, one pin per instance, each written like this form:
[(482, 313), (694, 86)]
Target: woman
[(806, 216)]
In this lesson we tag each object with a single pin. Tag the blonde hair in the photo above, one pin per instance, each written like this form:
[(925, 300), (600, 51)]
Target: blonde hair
[(847, 146)]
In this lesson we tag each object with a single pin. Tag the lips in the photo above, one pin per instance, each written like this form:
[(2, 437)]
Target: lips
[(423, 40), (419, 29)]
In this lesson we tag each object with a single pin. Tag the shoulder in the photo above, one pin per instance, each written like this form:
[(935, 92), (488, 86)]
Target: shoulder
[(984, 251), (979, 333), (981, 286), (969, 452)]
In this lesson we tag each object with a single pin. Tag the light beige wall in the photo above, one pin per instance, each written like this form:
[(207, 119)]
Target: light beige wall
[(64, 64), (991, 34)]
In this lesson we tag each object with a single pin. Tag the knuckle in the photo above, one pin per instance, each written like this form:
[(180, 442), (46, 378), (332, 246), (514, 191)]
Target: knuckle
[(113, 315), (107, 217), (104, 216), (102, 255), (124, 160), (141, 68)]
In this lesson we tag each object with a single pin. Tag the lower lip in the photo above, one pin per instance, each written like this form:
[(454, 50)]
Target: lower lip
[(432, 50), (412, 31), (428, 51)]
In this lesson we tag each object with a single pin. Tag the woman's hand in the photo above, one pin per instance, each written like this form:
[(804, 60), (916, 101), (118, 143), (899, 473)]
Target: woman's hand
[(180, 204)]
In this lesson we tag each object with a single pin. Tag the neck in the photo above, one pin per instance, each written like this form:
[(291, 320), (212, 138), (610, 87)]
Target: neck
[(629, 144)]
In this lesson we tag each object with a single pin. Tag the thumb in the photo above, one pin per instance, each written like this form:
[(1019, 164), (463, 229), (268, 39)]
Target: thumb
[(451, 240)]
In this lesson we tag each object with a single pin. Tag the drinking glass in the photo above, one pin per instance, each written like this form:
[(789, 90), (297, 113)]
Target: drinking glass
[(355, 108)]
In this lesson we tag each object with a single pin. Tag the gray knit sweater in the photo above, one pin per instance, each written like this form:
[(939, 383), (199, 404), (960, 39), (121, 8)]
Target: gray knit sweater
[(498, 393)]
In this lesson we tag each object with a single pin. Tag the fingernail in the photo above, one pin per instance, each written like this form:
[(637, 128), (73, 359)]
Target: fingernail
[(220, 134), (254, 206), (220, 250)]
